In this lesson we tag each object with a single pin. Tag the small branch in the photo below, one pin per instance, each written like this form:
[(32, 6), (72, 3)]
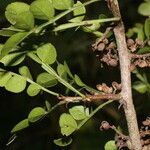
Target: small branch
[(83, 23), (126, 93), (51, 71), (133, 56), (91, 98)]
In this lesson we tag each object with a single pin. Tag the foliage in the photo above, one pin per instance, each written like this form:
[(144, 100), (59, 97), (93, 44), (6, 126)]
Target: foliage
[(38, 19)]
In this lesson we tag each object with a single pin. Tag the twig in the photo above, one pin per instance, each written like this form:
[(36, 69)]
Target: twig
[(139, 55), (125, 77), (51, 71), (83, 23), (91, 98)]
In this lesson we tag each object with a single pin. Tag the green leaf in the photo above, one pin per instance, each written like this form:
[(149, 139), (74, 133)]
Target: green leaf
[(62, 4), (36, 114), (25, 21), (102, 16), (48, 105), (1, 46), (24, 71), (147, 27), (139, 29), (144, 9), (129, 33), (144, 50), (42, 9), (12, 42), (33, 56), (16, 84), (140, 87), (13, 59), (79, 12), (68, 70), (78, 112), (63, 142), (47, 80), (21, 125), (67, 124), (91, 28), (14, 9), (4, 78), (61, 70), (12, 28), (87, 112), (33, 90), (110, 145), (78, 81), (47, 53), (7, 33)]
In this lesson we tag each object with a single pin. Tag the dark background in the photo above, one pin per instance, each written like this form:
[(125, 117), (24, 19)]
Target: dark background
[(75, 48)]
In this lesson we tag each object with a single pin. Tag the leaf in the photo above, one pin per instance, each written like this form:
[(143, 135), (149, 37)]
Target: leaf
[(42, 9), (33, 90), (12, 42), (139, 29), (25, 21), (147, 27), (79, 12), (91, 28), (1, 47), (140, 87), (16, 84), (102, 16), (62, 4), (13, 59), (63, 142), (14, 9), (144, 9), (78, 81), (12, 28), (7, 33), (33, 56), (61, 70), (67, 124), (144, 50), (24, 71), (87, 112), (21, 125), (47, 80), (48, 105), (78, 112), (129, 33), (36, 114), (68, 70), (110, 145), (4, 78), (47, 53)]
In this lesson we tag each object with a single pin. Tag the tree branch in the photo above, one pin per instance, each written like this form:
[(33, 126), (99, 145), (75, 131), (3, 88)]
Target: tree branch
[(139, 55), (126, 92), (91, 98)]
